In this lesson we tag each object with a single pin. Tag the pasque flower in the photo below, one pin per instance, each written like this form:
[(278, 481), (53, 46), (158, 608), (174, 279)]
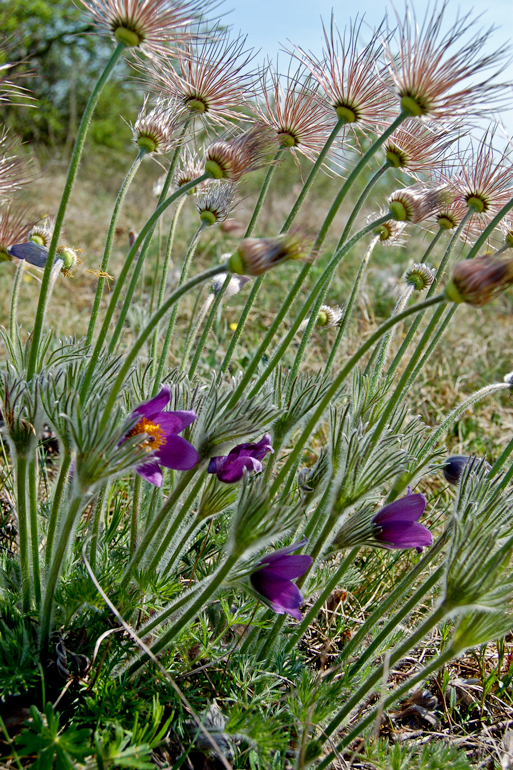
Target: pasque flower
[(274, 580), (159, 435), (477, 281), (396, 525), (230, 468)]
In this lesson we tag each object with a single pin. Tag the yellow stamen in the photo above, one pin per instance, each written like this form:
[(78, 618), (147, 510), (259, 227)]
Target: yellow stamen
[(155, 436)]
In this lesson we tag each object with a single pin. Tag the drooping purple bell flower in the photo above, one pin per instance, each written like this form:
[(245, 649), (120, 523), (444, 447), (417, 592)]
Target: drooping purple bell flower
[(230, 468), (397, 524), (274, 580), (453, 468), (161, 429)]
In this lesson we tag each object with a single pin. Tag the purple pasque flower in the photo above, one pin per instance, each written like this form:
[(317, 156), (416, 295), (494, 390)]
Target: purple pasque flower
[(274, 580), (230, 468), (397, 523), (162, 440)]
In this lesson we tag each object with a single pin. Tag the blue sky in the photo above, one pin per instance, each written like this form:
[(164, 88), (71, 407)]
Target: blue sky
[(271, 22)]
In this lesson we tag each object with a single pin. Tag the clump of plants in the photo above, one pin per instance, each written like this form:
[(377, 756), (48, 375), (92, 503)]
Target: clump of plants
[(171, 576)]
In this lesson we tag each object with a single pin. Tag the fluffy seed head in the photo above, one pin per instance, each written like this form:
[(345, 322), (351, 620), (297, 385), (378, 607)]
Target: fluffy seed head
[(69, 258), (256, 256), (419, 276), (10, 91), (15, 171), (207, 79), (478, 281), (42, 232), (189, 168), (329, 316), (417, 147), (431, 70), (155, 131), (215, 201), (506, 227), (156, 26), (232, 158), (389, 232), (416, 204), (293, 109), (352, 78)]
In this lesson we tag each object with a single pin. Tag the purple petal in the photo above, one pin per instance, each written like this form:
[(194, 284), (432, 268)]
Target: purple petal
[(283, 595), (151, 472), (411, 535), (258, 450), (216, 464), (154, 406), (272, 557), (175, 422), (407, 509), (234, 471), (288, 566), (177, 454)]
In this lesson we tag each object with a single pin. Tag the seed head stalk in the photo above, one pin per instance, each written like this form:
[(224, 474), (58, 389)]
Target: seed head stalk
[(34, 529), (23, 528), (208, 327), (123, 274), (197, 322), (59, 220), (56, 504), (16, 285), (162, 288), (323, 404), (123, 190), (144, 249)]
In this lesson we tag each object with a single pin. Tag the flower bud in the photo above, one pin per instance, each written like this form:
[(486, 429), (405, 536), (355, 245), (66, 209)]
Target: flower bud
[(478, 281), (255, 256), (233, 158)]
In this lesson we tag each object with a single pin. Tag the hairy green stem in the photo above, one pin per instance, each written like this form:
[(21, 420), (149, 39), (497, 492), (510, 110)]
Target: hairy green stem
[(16, 285), (123, 190), (59, 220), (136, 507), (23, 528), (56, 504), (193, 333), (337, 382), (208, 326), (34, 529), (162, 290), (95, 529), (379, 357)]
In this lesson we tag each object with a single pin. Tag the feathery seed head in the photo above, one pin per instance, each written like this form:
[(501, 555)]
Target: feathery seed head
[(329, 316), (478, 281), (389, 232), (293, 108), (190, 168), (154, 131), (15, 170), (352, 79), (431, 75), (255, 256), (419, 276), (42, 232), (416, 147), (232, 158), (10, 91), (69, 259), (215, 201), (416, 204), (209, 82), (506, 227), (155, 26)]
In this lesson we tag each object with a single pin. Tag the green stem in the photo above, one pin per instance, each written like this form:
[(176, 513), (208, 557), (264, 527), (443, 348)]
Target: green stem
[(110, 240), (95, 529), (72, 172), (55, 568), (208, 326), (16, 285), (379, 357), (162, 288), (199, 604), (313, 611), (34, 529), (172, 321), (136, 506), (122, 276), (439, 275), (361, 200), (337, 382), (263, 194), (396, 695), (349, 308), (501, 460), (279, 353), (144, 249), (489, 229), (56, 504), (153, 528), (23, 528), (196, 327), (173, 529), (399, 652), (240, 327), (432, 346)]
